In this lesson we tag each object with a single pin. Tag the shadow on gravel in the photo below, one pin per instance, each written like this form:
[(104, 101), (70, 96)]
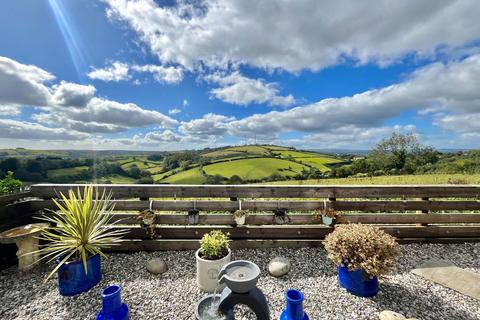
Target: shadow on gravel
[(420, 304)]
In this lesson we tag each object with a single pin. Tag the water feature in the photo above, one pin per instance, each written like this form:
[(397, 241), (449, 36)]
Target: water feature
[(240, 278)]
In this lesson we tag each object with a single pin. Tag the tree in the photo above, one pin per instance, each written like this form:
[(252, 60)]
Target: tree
[(10, 184), (235, 179), (393, 151)]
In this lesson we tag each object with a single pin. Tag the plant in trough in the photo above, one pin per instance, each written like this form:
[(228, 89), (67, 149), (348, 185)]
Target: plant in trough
[(214, 245), (362, 247), (80, 229)]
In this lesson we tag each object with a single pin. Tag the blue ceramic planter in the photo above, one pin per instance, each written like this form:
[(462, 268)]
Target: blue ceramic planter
[(72, 279), (112, 306), (294, 308), (357, 282)]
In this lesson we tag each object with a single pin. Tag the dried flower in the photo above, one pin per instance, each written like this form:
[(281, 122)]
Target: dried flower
[(366, 247)]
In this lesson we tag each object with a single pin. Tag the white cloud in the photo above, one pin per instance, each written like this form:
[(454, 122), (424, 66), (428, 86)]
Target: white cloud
[(295, 35), (13, 129), (160, 73), (23, 84), (238, 89), (174, 111), (454, 85), (9, 109), (72, 94), (117, 71), (165, 136), (209, 125)]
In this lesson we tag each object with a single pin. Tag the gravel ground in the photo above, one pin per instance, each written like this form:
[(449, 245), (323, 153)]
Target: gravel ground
[(173, 295)]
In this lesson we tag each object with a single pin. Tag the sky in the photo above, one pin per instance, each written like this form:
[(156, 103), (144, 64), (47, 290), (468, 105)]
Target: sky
[(172, 75)]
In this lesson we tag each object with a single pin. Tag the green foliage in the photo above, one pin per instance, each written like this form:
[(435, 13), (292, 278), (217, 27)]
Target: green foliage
[(9, 184), (214, 245), (80, 228)]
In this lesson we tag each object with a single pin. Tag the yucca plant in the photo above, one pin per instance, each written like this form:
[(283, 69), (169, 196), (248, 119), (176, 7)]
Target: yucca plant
[(81, 227)]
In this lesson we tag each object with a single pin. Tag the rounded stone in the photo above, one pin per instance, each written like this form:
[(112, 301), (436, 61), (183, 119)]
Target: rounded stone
[(390, 315), (279, 266), (156, 266)]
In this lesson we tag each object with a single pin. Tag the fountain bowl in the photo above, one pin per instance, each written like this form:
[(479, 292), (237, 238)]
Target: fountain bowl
[(240, 275), (203, 305)]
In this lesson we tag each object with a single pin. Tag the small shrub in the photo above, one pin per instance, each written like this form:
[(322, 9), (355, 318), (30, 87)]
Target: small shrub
[(214, 245), (10, 184), (366, 247)]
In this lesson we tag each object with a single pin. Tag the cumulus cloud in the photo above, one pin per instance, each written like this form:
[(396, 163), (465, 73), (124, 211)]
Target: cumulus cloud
[(9, 109), (23, 84), (295, 35), (165, 136), (13, 129), (72, 94), (238, 89), (117, 71), (451, 84), (160, 73), (209, 125)]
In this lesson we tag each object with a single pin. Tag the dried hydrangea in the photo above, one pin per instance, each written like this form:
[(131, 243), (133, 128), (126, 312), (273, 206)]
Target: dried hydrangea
[(366, 247)]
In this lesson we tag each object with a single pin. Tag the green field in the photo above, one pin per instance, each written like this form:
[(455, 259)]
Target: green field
[(405, 179), (258, 168), (65, 171), (192, 176)]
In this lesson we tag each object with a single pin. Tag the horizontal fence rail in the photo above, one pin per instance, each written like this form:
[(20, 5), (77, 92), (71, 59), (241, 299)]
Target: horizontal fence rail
[(287, 216)]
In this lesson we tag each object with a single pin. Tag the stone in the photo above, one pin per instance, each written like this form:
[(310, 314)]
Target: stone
[(156, 266), (390, 315), (279, 266), (450, 276)]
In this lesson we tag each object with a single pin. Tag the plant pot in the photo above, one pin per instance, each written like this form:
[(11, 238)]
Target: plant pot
[(294, 308), (112, 306), (327, 220), (72, 279), (208, 270), (358, 282), (240, 221)]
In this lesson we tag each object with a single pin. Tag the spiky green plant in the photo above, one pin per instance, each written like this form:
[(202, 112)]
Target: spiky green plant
[(81, 227)]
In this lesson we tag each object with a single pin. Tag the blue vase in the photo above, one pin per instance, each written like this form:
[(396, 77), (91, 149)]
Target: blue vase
[(72, 278), (112, 306), (358, 282), (294, 308)]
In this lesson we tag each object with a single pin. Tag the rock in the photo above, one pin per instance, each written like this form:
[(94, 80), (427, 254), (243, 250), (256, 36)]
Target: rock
[(279, 266), (390, 315), (156, 266)]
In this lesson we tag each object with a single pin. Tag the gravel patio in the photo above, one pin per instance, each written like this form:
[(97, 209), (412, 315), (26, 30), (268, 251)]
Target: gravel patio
[(173, 295)]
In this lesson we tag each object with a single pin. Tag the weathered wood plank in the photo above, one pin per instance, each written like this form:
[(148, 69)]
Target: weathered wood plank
[(267, 191), (292, 205), (189, 244), (245, 232), (8, 198), (15, 214)]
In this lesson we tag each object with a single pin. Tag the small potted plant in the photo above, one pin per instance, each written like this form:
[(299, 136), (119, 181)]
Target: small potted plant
[(362, 253), (78, 233), (213, 254), (240, 216)]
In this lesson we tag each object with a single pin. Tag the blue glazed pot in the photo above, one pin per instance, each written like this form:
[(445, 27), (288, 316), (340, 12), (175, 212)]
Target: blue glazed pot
[(294, 308), (112, 306), (357, 282), (72, 279)]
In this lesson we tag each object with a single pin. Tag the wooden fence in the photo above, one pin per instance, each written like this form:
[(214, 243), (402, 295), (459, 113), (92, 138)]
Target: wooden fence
[(411, 213)]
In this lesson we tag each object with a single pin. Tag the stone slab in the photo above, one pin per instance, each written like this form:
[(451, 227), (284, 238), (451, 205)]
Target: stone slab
[(450, 276)]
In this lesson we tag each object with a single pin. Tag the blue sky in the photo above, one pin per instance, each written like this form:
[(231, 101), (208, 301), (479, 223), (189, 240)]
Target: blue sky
[(167, 75)]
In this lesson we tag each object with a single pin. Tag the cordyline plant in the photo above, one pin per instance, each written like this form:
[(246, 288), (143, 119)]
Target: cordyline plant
[(81, 227), (214, 245), (366, 247)]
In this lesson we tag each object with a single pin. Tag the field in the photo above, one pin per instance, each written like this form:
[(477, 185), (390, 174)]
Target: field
[(65, 171), (382, 180), (257, 168), (192, 176)]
